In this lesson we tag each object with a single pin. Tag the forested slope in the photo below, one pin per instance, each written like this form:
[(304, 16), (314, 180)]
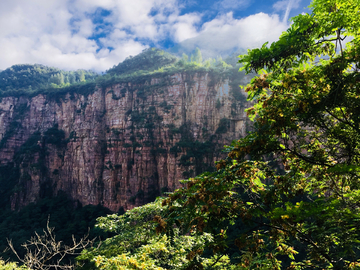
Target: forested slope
[(287, 195), (118, 140)]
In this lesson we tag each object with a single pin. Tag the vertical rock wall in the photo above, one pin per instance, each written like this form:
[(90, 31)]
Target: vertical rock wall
[(120, 146)]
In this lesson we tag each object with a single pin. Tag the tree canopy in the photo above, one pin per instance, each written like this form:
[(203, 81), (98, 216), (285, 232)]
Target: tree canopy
[(293, 182), (31, 80), (149, 60), (31, 77), (287, 196)]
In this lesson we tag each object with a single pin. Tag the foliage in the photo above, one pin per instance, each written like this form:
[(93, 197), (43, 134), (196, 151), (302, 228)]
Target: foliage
[(223, 126), (293, 183), (11, 266), (69, 217), (32, 80), (218, 104), (196, 57), (199, 155), (137, 244), (54, 136), (149, 60), (33, 77)]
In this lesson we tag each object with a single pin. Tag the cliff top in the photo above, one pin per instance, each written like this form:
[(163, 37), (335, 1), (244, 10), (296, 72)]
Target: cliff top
[(30, 77), (31, 80), (149, 60)]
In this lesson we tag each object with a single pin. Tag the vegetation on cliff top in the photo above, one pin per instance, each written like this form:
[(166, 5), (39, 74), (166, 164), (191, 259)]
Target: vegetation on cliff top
[(33, 77), (31, 80), (287, 196), (149, 60), (19, 226)]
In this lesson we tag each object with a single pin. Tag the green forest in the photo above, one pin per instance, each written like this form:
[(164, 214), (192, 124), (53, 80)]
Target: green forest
[(32, 80), (287, 195)]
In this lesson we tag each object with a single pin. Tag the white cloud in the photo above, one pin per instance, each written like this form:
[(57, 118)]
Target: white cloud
[(61, 33), (57, 32), (225, 34), (83, 27), (185, 27)]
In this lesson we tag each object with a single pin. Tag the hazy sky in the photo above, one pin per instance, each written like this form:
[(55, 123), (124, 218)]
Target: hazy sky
[(97, 34)]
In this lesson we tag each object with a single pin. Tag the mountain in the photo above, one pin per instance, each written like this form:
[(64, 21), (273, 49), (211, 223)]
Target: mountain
[(149, 60), (32, 77), (121, 139)]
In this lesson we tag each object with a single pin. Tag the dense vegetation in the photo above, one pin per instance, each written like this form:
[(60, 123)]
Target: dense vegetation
[(30, 78), (149, 60), (11, 266), (27, 80), (287, 196)]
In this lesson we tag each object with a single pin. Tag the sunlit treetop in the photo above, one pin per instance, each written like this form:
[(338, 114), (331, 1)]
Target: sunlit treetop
[(310, 36)]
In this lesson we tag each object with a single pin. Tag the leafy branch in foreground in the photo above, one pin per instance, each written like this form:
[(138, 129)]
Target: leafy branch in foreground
[(290, 188), (287, 196)]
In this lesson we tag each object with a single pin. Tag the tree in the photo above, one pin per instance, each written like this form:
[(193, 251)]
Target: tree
[(288, 194), (197, 57), (149, 60), (137, 244), (185, 58), (44, 252)]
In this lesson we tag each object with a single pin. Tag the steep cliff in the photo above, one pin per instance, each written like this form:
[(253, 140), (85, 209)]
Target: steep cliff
[(122, 143)]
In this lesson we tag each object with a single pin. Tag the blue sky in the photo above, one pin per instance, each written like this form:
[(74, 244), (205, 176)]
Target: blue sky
[(98, 34)]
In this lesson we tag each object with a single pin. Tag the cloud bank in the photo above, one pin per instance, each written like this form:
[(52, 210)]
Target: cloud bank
[(225, 35), (97, 34)]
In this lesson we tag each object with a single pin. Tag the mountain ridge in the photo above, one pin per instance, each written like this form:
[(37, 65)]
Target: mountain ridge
[(119, 140)]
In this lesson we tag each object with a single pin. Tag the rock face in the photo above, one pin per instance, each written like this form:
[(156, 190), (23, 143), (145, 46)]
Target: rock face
[(121, 145)]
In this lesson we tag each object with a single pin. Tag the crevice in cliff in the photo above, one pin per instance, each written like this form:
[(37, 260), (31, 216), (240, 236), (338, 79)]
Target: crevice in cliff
[(101, 140)]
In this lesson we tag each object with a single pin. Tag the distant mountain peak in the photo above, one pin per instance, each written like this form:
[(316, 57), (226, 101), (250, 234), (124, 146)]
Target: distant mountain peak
[(149, 60)]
